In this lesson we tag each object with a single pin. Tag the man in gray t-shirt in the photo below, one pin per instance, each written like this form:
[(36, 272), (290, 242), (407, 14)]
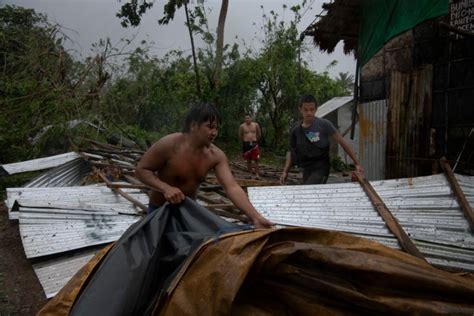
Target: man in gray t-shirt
[(309, 145)]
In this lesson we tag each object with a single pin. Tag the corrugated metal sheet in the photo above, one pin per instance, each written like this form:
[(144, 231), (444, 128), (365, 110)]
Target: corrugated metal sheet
[(94, 197), (55, 273), (54, 220), (424, 206), (68, 174), (332, 105), (40, 163), (373, 138)]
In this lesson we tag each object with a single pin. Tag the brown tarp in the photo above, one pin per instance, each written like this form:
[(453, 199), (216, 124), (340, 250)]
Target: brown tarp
[(312, 272)]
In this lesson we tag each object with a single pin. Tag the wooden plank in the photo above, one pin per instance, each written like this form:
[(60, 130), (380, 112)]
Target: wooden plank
[(405, 242), (122, 193), (458, 193)]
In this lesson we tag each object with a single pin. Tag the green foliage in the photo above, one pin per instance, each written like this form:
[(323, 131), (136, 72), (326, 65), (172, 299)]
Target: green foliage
[(131, 12), (155, 94), (42, 86), (338, 165), (33, 80)]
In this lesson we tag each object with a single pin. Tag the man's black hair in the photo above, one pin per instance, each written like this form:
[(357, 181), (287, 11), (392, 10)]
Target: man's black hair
[(201, 113), (307, 98)]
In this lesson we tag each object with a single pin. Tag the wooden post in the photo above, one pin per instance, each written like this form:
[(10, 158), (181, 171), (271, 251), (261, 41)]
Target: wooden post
[(458, 193), (405, 242)]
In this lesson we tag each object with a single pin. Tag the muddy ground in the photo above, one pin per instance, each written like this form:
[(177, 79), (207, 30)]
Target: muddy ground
[(20, 290)]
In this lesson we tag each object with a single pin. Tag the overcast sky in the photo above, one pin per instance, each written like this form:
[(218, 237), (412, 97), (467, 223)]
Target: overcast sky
[(87, 21)]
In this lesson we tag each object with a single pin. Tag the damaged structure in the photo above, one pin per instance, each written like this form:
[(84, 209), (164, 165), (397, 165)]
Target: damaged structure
[(69, 213), (88, 199), (414, 81), (337, 246)]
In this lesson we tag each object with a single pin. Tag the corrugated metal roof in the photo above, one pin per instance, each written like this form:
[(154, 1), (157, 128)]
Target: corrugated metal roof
[(424, 206), (53, 274), (69, 174), (39, 164), (332, 105), (54, 220)]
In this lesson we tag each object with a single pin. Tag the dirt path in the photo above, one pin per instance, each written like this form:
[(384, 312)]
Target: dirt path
[(20, 290)]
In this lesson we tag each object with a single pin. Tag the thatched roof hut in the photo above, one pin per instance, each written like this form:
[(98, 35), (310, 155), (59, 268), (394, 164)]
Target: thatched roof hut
[(340, 21)]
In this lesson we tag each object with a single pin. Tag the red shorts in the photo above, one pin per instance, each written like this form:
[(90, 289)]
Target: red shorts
[(250, 151)]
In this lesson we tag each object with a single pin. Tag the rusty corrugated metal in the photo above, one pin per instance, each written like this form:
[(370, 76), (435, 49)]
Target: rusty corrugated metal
[(409, 121), (372, 138)]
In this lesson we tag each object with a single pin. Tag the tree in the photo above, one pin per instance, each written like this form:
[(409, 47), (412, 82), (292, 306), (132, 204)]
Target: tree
[(36, 80), (41, 84), (132, 11), (277, 65), (346, 81)]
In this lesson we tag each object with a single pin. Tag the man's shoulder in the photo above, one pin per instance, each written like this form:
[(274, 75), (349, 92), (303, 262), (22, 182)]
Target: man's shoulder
[(326, 123), (169, 140), (323, 120), (172, 137), (216, 150)]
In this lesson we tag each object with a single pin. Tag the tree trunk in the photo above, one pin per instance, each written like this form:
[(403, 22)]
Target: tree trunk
[(220, 43), (196, 70)]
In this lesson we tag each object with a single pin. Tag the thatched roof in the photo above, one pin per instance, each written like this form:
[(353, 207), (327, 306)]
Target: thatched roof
[(340, 21)]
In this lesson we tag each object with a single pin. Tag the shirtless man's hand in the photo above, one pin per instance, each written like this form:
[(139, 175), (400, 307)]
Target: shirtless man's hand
[(262, 223), (173, 195)]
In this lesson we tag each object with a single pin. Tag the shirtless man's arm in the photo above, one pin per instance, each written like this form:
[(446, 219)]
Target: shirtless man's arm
[(259, 131), (155, 159), (236, 194), (241, 132)]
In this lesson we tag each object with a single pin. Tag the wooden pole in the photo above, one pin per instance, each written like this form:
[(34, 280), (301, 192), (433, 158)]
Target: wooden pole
[(124, 194), (405, 242), (458, 193)]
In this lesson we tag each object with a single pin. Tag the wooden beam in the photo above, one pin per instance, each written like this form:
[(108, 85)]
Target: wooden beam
[(124, 194), (405, 242), (458, 193)]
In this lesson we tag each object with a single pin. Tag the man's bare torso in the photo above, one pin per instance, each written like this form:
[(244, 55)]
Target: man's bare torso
[(249, 132), (185, 169)]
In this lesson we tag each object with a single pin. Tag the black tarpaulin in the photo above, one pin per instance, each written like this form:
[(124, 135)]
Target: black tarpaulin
[(146, 258)]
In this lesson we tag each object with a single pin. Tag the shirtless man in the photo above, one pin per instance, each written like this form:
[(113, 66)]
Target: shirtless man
[(178, 163), (250, 134)]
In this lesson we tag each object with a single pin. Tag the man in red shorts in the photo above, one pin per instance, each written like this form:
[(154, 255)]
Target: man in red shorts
[(250, 133)]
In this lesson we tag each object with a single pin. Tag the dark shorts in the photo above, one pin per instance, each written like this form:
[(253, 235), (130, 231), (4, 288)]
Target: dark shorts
[(250, 151), (315, 176)]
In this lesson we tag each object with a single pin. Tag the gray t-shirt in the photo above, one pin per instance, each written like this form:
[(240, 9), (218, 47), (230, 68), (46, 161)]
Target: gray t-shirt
[(319, 131)]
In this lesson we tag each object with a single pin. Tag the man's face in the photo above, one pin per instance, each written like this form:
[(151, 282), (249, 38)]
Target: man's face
[(207, 131), (308, 110), (247, 119)]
